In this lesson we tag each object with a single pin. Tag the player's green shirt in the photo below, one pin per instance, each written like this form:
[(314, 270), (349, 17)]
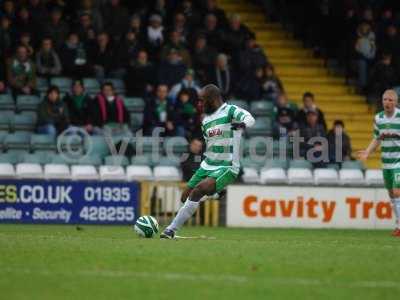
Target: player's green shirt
[(387, 130), (222, 143)]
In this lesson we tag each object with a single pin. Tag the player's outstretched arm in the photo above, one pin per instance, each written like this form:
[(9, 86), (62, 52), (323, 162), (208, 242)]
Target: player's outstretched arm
[(243, 119), (364, 154)]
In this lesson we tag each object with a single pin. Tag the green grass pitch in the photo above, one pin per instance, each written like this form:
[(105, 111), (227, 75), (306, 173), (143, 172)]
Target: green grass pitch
[(109, 262)]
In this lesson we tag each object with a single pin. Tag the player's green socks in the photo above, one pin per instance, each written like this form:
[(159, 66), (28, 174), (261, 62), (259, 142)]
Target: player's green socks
[(184, 213), (396, 209)]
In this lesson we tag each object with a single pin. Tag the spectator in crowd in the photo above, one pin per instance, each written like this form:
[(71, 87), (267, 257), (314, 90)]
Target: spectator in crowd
[(128, 50), (192, 163), (193, 18), (390, 43), (366, 49), (235, 36), (309, 105), (74, 57), (135, 26), (154, 34), (212, 8), (175, 42), (78, 103), (283, 102), (189, 84), (156, 111), (107, 108), (179, 25), (38, 11), (383, 76), (25, 40), (47, 61), (85, 29), (203, 57), (102, 58), (116, 18), (271, 84), (56, 28), (212, 32), (222, 75), (24, 23), (252, 56), (9, 10), (21, 73), (172, 70), (385, 22), (339, 140), (182, 114), (89, 9), (160, 8), (285, 122), (6, 36), (250, 86), (53, 116), (311, 129), (140, 75)]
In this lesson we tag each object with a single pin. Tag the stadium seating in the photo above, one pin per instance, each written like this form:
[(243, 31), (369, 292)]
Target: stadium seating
[(118, 84), (6, 102), (17, 140), (250, 175), (42, 84), (6, 170), (273, 176), (27, 102), (36, 158), (63, 83), (326, 177), (240, 103), (352, 164), (43, 142), (351, 177), (142, 160), (276, 163), (112, 173), (6, 118), (166, 173), (136, 120), (24, 121), (250, 162), (374, 177), (91, 85), (301, 176), (261, 127), (56, 171), (84, 172), (29, 171), (300, 164), (262, 108), (139, 173), (134, 104)]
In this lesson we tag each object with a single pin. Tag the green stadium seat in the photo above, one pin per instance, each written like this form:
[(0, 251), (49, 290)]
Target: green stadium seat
[(262, 127), (91, 85), (141, 160), (74, 143), (27, 102), (240, 103), (167, 161), (118, 84), (333, 166), (136, 120), (146, 145), (61, 159), (6, 102), (177, 145), (3, 135), (18, 140), (24, 122), (42, 84), (252, 162), (93, 159), (43, 142), (36, 158), (353, 164), (11, 157), (116, 160), (97, 145), (6, 118), (258, 144), (262, 108), (276, 163), (134, 104), (63, 83), (300, 164)]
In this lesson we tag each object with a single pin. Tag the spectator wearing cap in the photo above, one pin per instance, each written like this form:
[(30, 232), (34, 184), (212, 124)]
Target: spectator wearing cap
[(309, 104), (339, 140), (235, 36), (271, 84), (187, 83), (176, 42), (156, 113), (203, 57), (47, 60), (252, 56), (21, 72), (74, 59), (140, 75), (107, 108), (154, 34), (222, 75), (53, 115), (311, 129), (78, 103), (56, 28), (116, 18), (102, 58), (172, 70)]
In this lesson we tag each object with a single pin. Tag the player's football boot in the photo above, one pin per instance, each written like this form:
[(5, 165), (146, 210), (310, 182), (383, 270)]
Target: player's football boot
[(396, 232), (167, 234)]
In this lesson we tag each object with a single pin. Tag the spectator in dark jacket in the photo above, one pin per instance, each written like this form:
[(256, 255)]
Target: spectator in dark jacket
[(222, 75), (85, 29), (339, 143), (88, 7), (252, 56), (212, 32), (6, 36), (212, 8), (271, 84), (203, 57), (25, 24), (107, 108), (285, 122), (172, 70), (180, 25), (53, 116), (250, 86), (47, 60), (128, 49), (140, 77), (78, 103), (175, 42), (74, 58), (309, 104), (311, 129), (235, 36), (56, 28), (192, 163), (116, 18), (103, 59)]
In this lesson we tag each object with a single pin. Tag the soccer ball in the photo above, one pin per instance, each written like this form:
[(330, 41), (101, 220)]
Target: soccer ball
[(146, 226)]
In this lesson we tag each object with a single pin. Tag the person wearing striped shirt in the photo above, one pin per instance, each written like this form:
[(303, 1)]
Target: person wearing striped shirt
[(222, 129), (387, 135)]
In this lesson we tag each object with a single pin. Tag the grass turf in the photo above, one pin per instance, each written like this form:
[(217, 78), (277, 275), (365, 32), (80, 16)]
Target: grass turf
[(61, 262)]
